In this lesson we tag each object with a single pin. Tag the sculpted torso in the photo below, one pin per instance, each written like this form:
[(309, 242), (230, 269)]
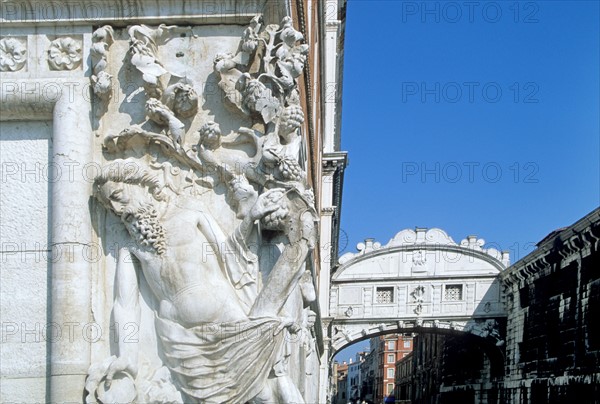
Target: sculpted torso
[(188, 279)]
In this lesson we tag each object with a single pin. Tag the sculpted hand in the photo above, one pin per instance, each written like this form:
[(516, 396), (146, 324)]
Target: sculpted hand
[(266, 203), (120, 364), (289, 323)]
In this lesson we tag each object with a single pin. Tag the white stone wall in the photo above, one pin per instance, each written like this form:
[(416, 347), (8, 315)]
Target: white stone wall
[(25, 181)]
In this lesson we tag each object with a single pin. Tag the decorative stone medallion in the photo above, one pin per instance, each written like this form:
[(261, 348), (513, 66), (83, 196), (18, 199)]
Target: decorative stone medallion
[(13, 54), (64, 54)]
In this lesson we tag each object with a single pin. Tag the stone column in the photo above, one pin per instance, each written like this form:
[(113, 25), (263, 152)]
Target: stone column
[(71, 236), (325, 370)]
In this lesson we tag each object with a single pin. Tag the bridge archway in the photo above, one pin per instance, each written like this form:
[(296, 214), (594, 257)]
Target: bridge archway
[(420, 281), (484, 334)]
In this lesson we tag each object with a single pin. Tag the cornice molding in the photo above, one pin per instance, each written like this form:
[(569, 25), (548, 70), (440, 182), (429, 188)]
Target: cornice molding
[(582, 236)]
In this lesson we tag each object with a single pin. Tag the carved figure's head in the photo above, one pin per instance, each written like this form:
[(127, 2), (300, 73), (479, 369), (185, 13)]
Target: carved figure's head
[(123, 185), (288, 34), (157, 111), (210, 135), (131, 191), (102, 83), (295, 61)]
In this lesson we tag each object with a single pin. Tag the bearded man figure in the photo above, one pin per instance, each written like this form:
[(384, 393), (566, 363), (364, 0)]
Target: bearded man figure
[(204, 282)]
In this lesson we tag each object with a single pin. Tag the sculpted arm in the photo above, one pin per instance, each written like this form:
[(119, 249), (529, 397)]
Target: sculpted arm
[(126, 310)]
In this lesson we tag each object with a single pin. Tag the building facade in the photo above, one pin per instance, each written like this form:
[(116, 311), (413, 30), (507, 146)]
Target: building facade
[(355, 377), (404, 379), (379, 367), (340, 381), (550, 353), (181, 98), (445, 369), (368, 371), (553, 301)]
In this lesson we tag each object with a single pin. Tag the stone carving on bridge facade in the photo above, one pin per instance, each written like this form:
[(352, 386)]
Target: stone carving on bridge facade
[(424, 237), (13, 54), (418, 296), (419, 260), (221, 225), (346, 334), (456, 288)]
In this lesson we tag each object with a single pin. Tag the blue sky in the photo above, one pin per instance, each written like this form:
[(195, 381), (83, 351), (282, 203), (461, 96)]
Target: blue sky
[(478, 119)]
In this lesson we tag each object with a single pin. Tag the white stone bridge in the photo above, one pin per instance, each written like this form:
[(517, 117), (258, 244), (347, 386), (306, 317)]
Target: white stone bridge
[(421, 281)]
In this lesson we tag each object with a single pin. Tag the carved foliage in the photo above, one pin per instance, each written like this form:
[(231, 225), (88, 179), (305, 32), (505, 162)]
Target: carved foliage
[(13, 54), (143, 42), (102, 38), (64, 54), (261, 79)]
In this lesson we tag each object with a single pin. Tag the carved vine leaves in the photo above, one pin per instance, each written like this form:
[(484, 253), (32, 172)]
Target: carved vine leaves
[(143, 42), (260, 80)]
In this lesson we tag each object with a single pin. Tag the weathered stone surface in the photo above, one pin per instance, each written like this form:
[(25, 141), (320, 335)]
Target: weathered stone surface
[(234, 170), (27, 175), (218, 215), (23, 390), (24, 258), (553, 350)]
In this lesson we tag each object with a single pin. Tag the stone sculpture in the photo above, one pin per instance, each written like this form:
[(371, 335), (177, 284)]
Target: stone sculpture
[(101, 79), (65, 54), (13, 54), (221, 229)]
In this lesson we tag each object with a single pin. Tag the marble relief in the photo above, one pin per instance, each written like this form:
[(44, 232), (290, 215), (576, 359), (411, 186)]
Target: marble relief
[(219, 218)]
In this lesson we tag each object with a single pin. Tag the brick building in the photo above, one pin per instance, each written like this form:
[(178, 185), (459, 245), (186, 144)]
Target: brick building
[(340, 381), (379, 369)]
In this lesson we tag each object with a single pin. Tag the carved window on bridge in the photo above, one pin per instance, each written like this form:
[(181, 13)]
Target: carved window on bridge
[(453, 292), (384, 295)]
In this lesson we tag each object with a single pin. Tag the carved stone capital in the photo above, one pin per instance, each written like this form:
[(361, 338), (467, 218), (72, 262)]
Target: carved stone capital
[(328, 211), (334, 161)]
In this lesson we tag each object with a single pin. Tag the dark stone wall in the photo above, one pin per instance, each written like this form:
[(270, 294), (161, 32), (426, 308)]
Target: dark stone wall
[(552, 297), (447, 369)]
